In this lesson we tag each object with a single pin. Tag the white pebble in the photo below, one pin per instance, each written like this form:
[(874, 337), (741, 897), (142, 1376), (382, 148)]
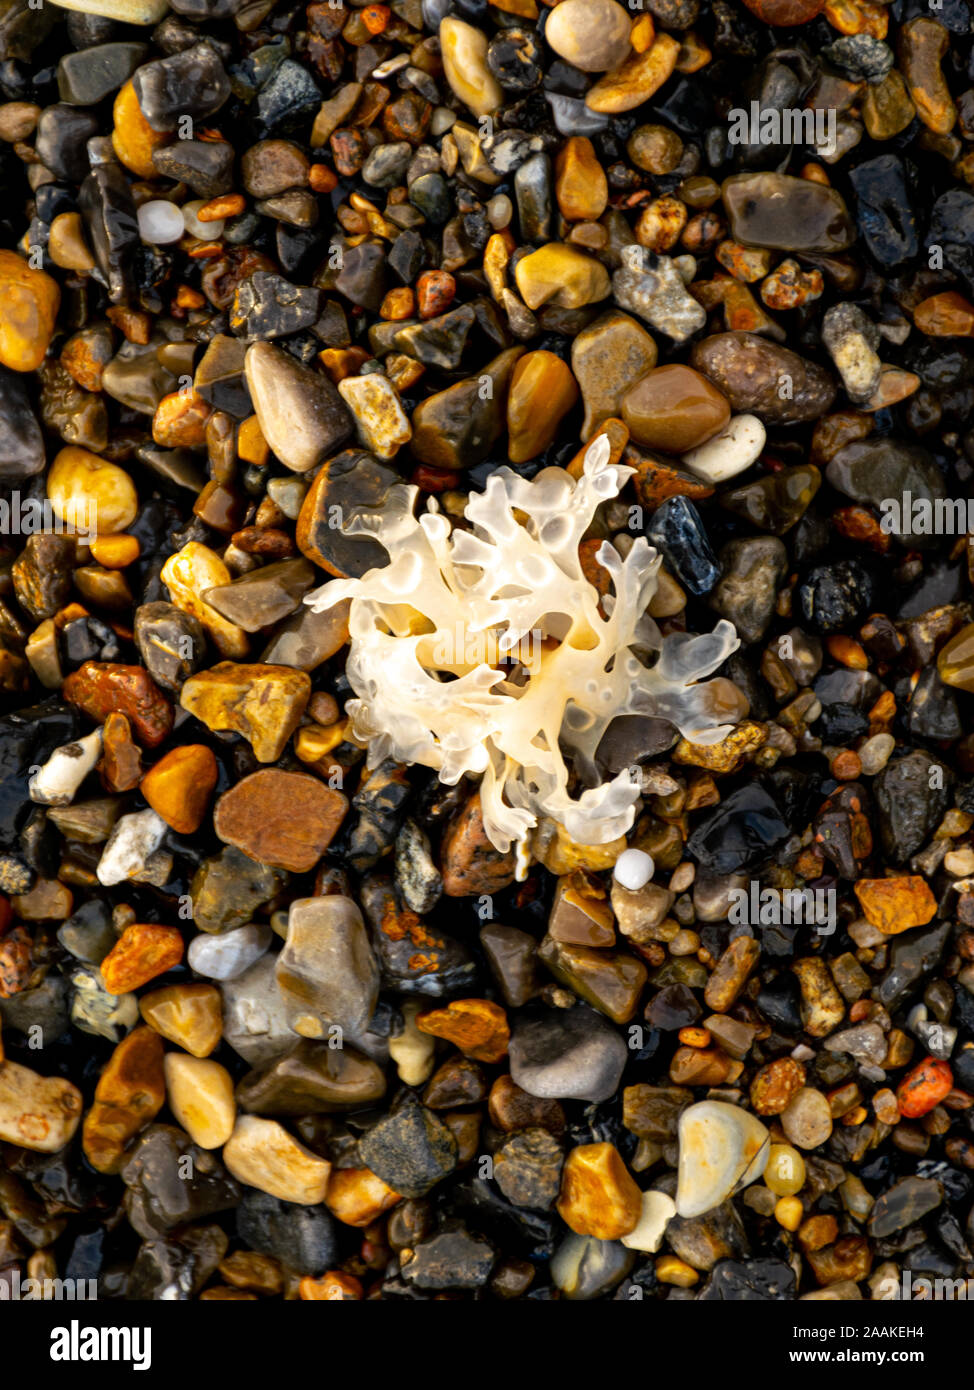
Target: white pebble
[(67, 767), (229, 954), (633, 869), (443, 119), (160, 222), (203, 231), (875, 752), (130, 844), (500, 210), (735, 448), (647, 1234)]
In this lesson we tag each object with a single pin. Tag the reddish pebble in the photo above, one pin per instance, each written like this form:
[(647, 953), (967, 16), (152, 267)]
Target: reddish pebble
[(434, 292), (923, 1088)]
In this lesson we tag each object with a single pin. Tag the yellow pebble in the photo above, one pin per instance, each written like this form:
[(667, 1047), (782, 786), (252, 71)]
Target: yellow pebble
[(785, 1173), (313, 742), (133, 138), (91, 494), (788, 1212), (251, 444), (115, 552), (670, 1270), (29, 301)]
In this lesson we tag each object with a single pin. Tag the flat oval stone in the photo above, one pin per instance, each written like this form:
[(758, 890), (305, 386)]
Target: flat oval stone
[(464, 51), (300, 413), (40, 1113), (722, 1147), (283, 819), (543, 391), (571, 1054), (786, 214), (29, 302), (229, 954), (262, 1154), (674, 408), (753, 372), (592, 35), (312, 1079)]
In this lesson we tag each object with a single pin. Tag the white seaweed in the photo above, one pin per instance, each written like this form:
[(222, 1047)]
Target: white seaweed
[(513, 582)]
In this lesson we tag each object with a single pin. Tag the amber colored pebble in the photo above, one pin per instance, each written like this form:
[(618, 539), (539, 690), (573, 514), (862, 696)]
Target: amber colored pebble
[(120, 764), (284, 819), (321, 179), (340, 363), (251, 444), (188, 298), (476, 1026), (226, 205), (896, 904), (921, 46), (598, 1195), (115, 552), (332, 1287), (923, 1088), (180, 421), (143, 951), (133, 138), (248, 1269), (98, 688), (775, 1085), (29, 302), (15, 962), (189, 1015), (946, 315), (357, 1197), (435, 290), (581, 186), (398, 304), (510, 1108), (130, 1092), (674, 408), (642, 33), (179, 786), (542, 392), (222, 1293)]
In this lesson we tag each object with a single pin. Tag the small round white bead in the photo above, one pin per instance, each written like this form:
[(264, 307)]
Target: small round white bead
[(633, 869), (160, 222)]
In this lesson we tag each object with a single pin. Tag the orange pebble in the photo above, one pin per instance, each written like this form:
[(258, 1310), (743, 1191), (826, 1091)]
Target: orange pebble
[(321, 179), (226, 205), (342, 362), (114, 552), (251, 444), (694, 1037), (375, 18), (143, 951), (847, 651), (434, 292), (814, 173), (178, 787), (642, 33), (398, 304), (188, 298), (332, 1287), (923, 1088)]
